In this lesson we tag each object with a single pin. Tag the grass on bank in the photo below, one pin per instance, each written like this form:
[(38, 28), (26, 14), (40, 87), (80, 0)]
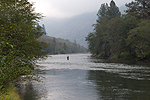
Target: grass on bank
[(9, 93)]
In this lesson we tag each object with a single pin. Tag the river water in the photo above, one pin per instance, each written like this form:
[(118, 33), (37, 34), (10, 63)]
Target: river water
[(85, 78)]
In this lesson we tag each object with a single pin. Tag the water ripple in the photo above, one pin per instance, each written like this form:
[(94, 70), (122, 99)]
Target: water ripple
[(124, 70)]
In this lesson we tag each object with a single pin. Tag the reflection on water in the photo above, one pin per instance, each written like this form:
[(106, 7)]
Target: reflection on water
[(31, 91), (112, 86), (86, 78)]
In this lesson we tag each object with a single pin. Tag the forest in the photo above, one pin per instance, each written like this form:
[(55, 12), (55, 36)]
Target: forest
[(126, 36), (61, 46)]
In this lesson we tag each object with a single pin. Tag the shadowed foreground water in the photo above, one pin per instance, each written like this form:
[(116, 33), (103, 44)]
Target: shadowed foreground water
[(86, 78)]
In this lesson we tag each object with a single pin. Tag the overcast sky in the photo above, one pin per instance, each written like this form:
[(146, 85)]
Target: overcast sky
[(69, 8)]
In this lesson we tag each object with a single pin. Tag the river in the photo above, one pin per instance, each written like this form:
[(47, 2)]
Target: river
[(85, 78)]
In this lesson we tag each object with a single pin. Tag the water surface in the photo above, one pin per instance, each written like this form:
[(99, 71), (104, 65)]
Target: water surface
[(85, 78)]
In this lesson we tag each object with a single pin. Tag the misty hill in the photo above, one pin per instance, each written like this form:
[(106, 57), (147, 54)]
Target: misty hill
[(61, 46), (74, 28)]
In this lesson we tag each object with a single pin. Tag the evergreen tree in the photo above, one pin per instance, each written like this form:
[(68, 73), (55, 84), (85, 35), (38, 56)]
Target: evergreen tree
[(43, 30), (103, 11), (113, 11), (40, 30), (54, 45), (125, 36), (109, 12), (98, 43), (139, 9)]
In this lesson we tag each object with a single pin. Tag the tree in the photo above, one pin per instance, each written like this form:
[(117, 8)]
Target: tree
[(19, 47), (91, 42), (109, 12), (54, 46), (102, 12), (116, 33), (113, 11), (139, 39), (98, 43), (112, 32), (139, 9), (40, 30), (44, 30)]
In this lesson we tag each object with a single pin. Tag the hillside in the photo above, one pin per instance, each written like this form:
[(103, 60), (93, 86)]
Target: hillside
[(61, 46), (74, 28)]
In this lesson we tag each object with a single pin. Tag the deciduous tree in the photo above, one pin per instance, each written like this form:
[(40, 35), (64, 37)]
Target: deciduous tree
[(19, 48), (139, 39)]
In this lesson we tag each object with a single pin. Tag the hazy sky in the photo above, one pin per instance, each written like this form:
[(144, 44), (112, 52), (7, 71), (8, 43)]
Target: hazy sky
[(68, 8)]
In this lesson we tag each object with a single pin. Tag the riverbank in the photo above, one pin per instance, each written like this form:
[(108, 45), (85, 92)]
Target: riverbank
[(9, 93), (122, 60), (122, 57)]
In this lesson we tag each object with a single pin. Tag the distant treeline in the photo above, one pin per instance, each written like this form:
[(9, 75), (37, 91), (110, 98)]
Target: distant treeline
[(117, 36), (61, 46)]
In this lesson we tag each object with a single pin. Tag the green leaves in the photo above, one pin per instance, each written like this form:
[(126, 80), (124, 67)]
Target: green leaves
[(104, 39), (19, 47), (116, 35), (139, 39), (109, 12), (139, 9)]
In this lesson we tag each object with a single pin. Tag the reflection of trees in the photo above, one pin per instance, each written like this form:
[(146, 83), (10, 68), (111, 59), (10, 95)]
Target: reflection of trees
[(128, 62), (31, 91), (111, 86)]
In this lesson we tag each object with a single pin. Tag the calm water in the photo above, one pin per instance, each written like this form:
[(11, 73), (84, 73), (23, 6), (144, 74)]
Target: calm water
[(86, 78)]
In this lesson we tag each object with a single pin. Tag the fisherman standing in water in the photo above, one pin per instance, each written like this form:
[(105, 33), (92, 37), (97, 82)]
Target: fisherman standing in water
[(67, 57)]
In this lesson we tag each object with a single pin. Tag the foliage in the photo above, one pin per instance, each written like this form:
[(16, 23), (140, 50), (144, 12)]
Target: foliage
[(109, 12), (139, 39), (139, 9), (61, 46), (114, 36), (19, 48), (9, 93), (99, 40)]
